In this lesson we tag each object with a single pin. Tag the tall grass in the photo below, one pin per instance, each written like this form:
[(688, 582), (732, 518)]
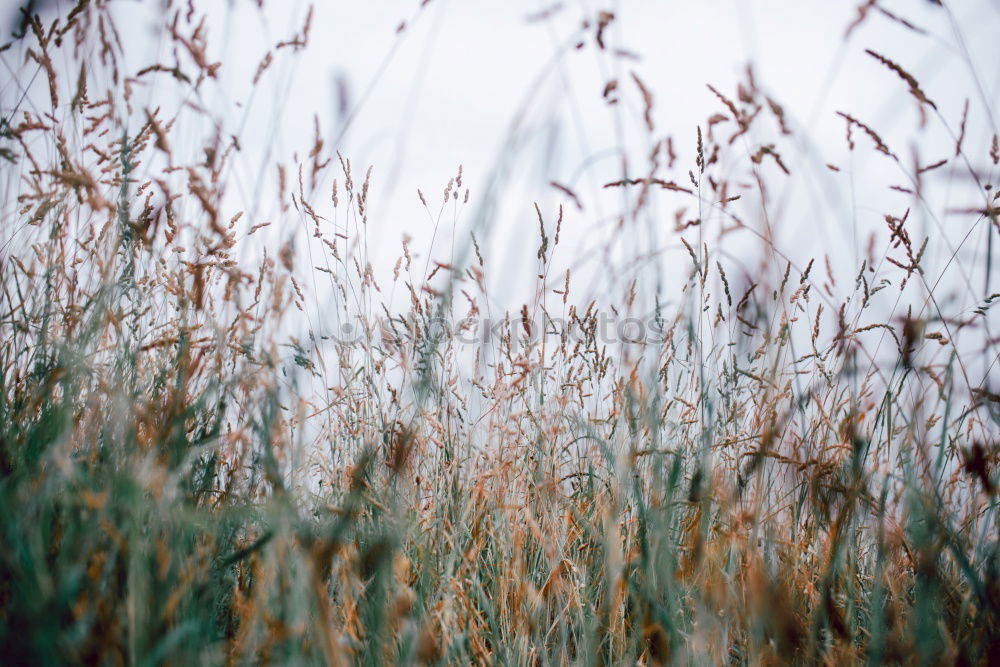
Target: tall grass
[(782, 473)]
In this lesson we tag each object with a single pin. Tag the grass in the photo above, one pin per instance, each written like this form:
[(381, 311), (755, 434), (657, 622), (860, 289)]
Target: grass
[(790, 470)]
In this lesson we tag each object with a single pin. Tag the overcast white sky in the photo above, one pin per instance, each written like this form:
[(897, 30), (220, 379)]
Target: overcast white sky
[(448, 89)]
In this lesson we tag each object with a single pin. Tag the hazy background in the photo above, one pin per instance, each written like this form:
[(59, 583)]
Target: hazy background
[(500, 88)]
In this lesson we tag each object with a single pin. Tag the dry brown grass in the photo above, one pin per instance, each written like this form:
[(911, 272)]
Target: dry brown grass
[(183, 479)]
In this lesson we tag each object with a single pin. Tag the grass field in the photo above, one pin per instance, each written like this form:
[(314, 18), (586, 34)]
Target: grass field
[(786, 468)]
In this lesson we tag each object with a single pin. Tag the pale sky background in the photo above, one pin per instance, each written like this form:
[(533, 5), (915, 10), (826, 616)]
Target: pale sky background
[(450, 87), (447, 90)]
